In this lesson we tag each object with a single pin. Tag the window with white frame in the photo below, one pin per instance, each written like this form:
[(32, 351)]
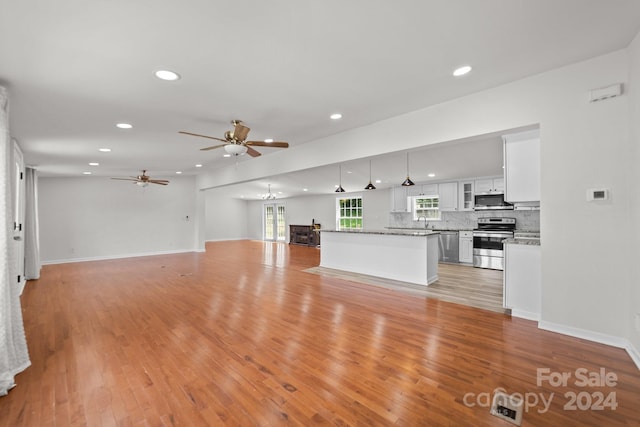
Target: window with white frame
[(349, 213), (427, 207)]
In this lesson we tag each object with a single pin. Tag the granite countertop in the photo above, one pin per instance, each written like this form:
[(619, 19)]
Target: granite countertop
[(390, 232), (531, 242), (521, 237), (430, 229)]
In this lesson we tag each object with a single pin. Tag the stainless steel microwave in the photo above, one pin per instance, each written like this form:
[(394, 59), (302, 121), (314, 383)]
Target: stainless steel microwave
[(491, 201)]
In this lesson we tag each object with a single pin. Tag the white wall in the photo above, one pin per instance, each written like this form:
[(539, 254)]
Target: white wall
[(585, 270), (93, 218), (586, 260), (226, 217), (634, 179)]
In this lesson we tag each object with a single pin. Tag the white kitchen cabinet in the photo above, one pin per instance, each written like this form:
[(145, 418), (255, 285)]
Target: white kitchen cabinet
[(465, 247), (398, 199), (422, 190), (522, 166), (489, 185), (465, 191), (414, 190), (448, 195), (522, 280)]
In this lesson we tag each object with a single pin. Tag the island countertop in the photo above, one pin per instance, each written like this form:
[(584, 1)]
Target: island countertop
[(389, 232)]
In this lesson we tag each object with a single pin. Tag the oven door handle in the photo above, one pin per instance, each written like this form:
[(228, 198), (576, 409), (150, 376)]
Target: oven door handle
[(494, 234)]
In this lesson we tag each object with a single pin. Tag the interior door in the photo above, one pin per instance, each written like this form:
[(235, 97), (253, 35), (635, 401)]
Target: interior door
[(18, 194), (274, 221)]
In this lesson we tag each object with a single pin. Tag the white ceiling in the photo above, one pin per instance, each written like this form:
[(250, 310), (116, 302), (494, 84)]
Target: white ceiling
[(74, 69)]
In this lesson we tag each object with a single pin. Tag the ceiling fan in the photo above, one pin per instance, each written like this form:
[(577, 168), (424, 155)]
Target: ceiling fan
[(235, 142), (144, 180)]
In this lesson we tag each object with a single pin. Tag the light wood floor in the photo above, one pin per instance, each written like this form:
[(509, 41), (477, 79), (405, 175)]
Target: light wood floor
[(241, 335), (457, 283)]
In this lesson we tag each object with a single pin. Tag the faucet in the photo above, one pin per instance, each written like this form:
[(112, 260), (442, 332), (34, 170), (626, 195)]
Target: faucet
[(426, 223)]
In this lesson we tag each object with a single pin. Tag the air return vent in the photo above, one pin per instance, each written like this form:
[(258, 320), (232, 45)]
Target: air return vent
[(605, 92)]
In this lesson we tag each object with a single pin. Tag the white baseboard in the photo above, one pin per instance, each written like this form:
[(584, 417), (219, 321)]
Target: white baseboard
[(595, 337), (633, 353), (108, 257), (226, 240), (525, 315)]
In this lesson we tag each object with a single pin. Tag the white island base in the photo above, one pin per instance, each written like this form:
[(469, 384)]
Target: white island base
[(404, 256)]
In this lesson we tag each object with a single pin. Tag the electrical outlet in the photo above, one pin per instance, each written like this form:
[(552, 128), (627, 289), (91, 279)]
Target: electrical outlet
[(508, 408)]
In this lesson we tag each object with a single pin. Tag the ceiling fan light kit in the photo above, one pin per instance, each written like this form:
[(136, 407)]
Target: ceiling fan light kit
[(235, 149)]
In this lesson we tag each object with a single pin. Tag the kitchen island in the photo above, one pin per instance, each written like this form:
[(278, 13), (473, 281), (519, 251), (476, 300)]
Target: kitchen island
[(403, 255)]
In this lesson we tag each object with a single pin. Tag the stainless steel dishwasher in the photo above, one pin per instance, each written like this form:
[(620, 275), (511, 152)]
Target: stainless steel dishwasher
[(448, 244)]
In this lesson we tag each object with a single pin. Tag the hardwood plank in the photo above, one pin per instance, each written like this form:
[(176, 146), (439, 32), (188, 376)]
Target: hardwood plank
[(242, 335), (457, 283)]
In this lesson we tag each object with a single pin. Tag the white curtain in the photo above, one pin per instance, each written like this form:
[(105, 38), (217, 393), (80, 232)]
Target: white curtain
[(14, 356), (31, 226)]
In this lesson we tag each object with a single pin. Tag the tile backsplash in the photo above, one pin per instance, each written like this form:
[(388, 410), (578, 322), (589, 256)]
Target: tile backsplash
[(467, 220)]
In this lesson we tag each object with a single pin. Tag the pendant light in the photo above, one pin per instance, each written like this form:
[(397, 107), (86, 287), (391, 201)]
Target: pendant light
[(407, 182), (370, 186), (340, 189)]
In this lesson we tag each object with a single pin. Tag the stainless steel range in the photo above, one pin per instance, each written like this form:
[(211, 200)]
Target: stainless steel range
[(487, 241)]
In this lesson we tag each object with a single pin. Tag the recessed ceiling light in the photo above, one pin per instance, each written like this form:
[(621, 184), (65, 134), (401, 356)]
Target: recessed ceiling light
[(461, 71), (86, 173), (94, 164), (336, 116), (431, 175), (268, 140), (378, 181), (124, 126), (349, 172), (279, 192), (198, 166), (226, 155), (104, 150), (178, 172), (305, 189), (167, 75)]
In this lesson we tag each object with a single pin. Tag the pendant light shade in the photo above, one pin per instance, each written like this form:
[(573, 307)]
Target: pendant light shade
[(370, 186), (407, 182), (340, 189)]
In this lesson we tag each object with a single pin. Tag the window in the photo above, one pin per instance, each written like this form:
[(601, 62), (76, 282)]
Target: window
[(349, 213), (427, 207)]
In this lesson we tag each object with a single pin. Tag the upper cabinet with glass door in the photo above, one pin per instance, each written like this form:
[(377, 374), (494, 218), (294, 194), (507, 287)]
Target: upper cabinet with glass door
[(465, 194)]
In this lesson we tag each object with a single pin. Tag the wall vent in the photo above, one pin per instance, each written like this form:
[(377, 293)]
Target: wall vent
[(603, 93)]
